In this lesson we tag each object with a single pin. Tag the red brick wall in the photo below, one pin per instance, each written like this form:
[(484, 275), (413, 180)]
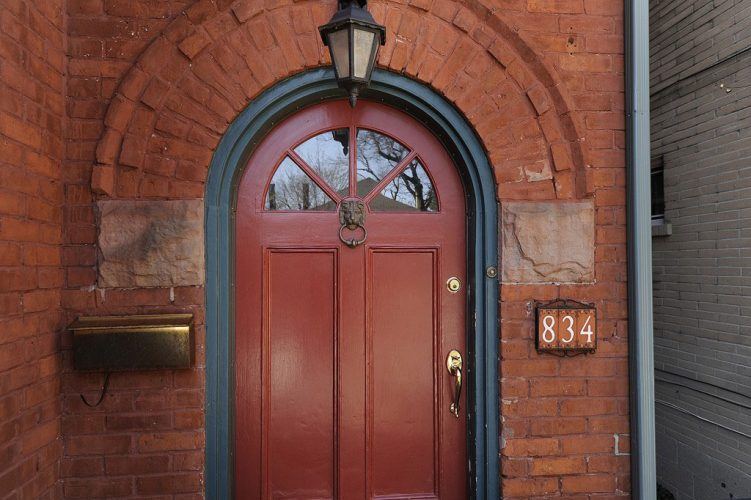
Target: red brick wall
[(146, 438), (32, 83), (151, 90)]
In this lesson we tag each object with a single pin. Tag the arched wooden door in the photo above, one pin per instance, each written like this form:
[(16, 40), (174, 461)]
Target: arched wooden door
[(342, 387)]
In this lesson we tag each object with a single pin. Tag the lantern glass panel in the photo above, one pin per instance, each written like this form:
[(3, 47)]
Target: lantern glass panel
[(363, 47), (339, 46)]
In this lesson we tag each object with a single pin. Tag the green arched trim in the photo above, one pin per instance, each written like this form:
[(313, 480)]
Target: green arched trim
[(238, 142)]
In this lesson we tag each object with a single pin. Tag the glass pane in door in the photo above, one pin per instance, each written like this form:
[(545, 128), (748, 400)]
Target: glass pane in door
[(292, 189), (411, 190), (377, 155), (327, 154)]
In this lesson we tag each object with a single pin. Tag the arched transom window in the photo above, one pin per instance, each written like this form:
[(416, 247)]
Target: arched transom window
[(333, 165)]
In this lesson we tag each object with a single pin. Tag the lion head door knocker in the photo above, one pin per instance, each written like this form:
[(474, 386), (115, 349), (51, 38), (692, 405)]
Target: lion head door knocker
[(352, 218)]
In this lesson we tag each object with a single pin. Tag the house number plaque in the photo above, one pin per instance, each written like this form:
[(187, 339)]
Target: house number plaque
[(565, 326)]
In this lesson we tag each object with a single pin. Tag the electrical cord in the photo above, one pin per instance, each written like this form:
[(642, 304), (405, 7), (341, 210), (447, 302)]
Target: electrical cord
[(101, 395), (736, 403), (683, 410)]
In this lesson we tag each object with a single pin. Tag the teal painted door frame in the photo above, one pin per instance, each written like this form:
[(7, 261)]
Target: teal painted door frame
[(232, 154)]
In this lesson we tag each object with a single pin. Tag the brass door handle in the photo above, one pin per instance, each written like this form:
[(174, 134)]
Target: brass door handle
[(454, 365)]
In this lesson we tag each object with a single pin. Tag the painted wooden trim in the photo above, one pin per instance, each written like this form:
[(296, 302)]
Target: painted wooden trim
[(238, 142)]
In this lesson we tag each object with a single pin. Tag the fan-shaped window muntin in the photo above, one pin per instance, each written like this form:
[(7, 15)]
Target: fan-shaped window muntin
[(344, 162)]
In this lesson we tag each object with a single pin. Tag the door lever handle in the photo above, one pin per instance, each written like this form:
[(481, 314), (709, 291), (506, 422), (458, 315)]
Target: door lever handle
[(454, 365)]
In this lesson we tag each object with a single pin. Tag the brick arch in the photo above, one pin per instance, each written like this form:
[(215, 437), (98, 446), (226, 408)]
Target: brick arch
[(174, 104)]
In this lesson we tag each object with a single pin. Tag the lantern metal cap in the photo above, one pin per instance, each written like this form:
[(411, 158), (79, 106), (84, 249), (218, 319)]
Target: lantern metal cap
[(352, 12)]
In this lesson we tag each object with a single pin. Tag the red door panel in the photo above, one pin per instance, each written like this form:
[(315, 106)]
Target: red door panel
[(404, 346), (341, 386), (299, 368)]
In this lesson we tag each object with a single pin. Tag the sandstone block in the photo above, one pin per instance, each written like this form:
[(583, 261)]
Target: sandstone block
[(151, 243), (548, 242)]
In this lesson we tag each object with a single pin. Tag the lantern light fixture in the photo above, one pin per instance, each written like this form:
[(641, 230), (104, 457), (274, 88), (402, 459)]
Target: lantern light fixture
[(353, 38)]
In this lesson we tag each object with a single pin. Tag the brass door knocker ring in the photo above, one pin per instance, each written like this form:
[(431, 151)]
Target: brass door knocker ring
[(352, 217), (352, 243)]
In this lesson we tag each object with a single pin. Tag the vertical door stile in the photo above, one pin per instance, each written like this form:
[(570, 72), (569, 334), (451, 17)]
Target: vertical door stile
[(438, 349), (352, 157)]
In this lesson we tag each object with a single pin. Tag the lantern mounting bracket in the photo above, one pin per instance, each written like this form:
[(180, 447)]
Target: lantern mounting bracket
[(343, 4)]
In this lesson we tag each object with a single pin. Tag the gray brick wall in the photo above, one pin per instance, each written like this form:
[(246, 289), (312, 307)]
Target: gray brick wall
[(701, 125), (687, 36)]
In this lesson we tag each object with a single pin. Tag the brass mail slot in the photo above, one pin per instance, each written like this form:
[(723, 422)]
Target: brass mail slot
[(146, 342)]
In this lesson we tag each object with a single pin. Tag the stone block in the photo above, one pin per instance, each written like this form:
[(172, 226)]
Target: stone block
[(548, 242), (151, 243)]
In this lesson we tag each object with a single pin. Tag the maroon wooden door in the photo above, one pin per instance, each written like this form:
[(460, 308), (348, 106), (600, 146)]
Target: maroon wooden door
[(342, 389)]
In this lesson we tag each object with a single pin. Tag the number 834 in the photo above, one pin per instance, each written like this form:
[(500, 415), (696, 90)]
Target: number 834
[(565, 327)]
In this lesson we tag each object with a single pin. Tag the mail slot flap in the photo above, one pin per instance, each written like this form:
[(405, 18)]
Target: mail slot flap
[(141, 342)]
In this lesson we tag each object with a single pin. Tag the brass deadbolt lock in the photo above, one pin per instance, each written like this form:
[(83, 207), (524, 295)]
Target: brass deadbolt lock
[(454, 284)]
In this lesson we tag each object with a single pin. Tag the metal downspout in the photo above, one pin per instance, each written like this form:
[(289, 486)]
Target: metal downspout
[(639, 236)]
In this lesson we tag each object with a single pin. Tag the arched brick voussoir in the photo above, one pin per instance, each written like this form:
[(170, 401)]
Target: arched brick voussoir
[(174, 104)]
